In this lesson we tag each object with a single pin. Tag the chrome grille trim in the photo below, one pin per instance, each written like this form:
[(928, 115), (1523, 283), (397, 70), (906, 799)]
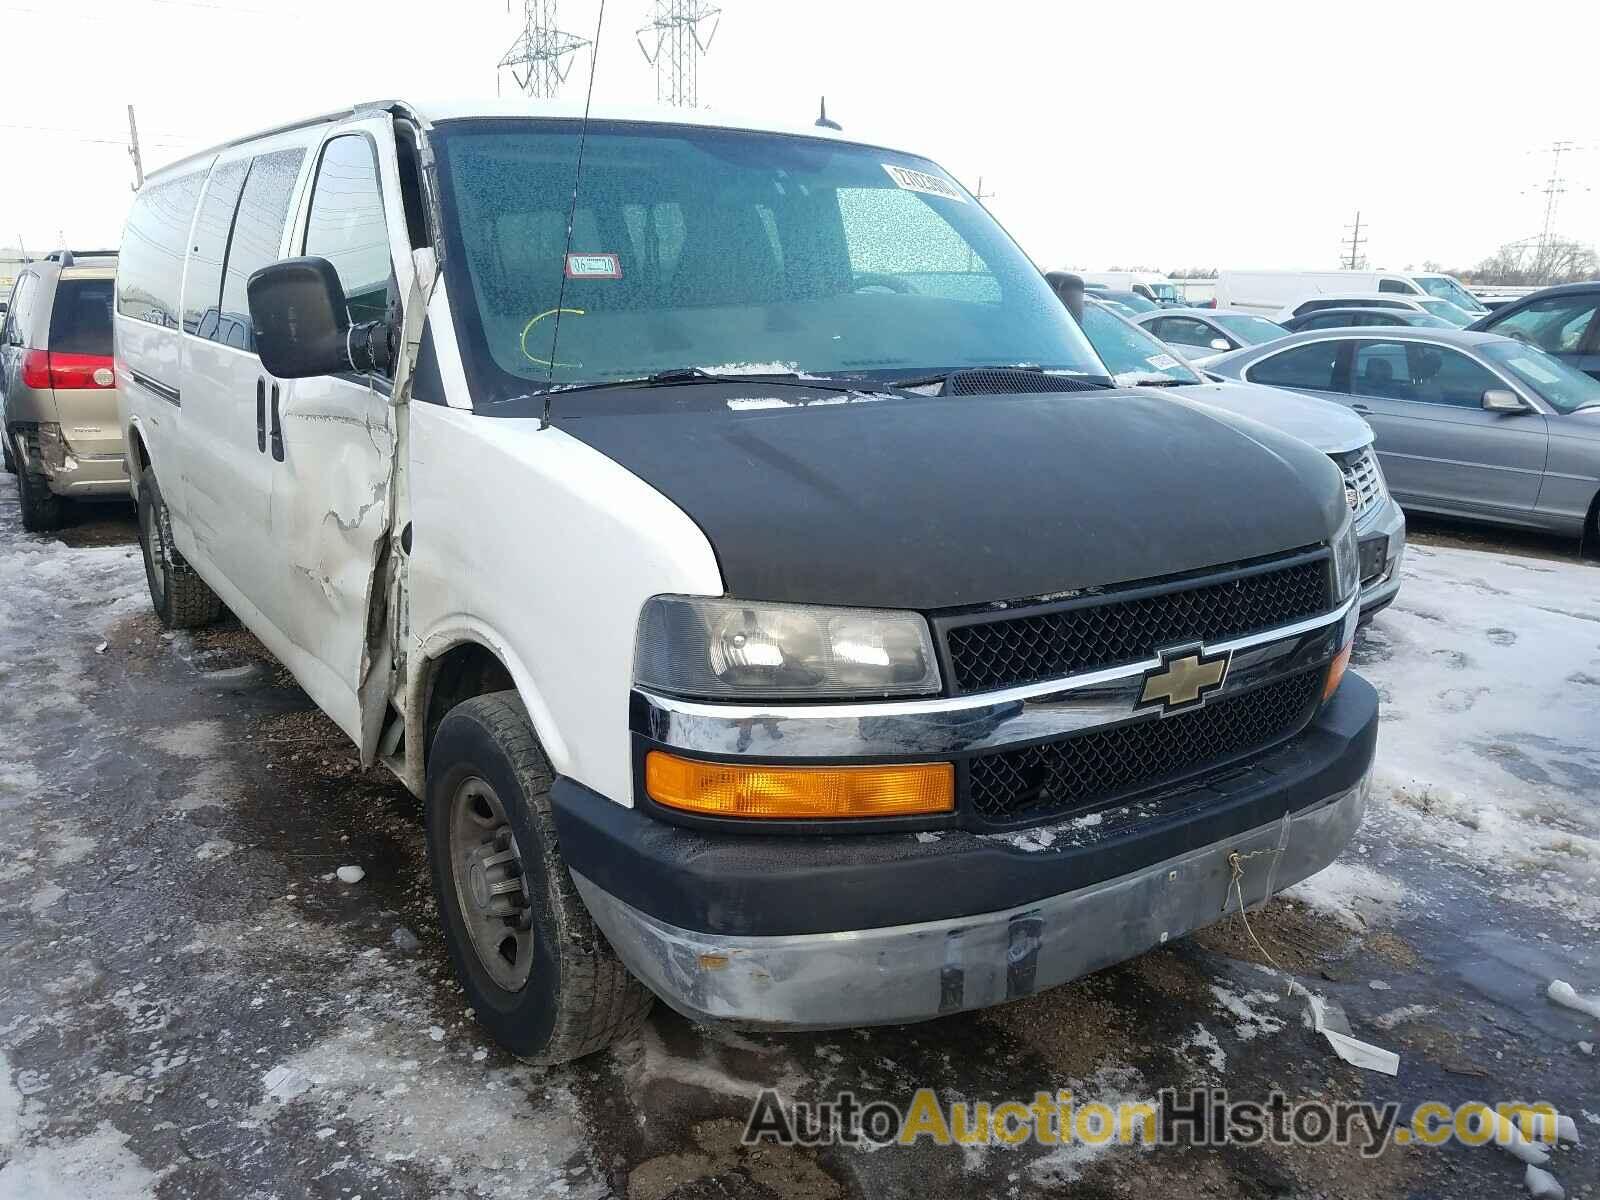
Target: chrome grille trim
[(1364, 480)]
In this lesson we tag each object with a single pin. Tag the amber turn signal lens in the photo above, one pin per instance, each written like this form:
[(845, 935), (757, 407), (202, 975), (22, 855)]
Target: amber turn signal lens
[(737, 790), (1336, 670)]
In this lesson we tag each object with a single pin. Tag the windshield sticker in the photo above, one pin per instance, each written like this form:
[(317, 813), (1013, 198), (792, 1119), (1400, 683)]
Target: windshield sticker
[(1162, 362), (921, 181), (594, 266), (1534, 370)]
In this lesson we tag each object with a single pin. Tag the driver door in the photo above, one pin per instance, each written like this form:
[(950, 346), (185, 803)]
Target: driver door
[(332, 494)]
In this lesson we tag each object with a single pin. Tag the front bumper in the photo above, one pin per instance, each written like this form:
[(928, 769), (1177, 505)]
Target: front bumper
[(880, 929), (1388, 525)]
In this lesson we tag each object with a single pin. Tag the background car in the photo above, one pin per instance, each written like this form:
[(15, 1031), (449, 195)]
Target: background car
[(1128, 300), (1468, 424), (1204, 332), (1135, 358), (1563, 321), (1457, 317), (1269, 291), (1351, 318)]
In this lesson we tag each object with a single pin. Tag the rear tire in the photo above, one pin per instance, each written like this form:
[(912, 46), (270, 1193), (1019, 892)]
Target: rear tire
[(180, 597), (538, 973), (10, 458), (42, 509)]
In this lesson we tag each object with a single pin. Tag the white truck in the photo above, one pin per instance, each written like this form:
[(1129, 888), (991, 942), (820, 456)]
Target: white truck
[(1152, 285), (1270, 292), (688, 540)]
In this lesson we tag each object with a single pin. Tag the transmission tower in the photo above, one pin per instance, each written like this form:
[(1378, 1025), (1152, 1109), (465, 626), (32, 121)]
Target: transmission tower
[(1553, 189), (1352, 259), (672, 45), (541, 57)]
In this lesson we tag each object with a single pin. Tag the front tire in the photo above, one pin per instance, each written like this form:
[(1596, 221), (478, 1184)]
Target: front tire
[(180, 597), (538, 973)]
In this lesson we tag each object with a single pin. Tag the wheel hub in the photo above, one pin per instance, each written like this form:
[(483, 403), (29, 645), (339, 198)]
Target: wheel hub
[(490, 886)]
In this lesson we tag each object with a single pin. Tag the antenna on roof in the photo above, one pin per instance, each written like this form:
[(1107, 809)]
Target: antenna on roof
[(572, 214), (824, 121)]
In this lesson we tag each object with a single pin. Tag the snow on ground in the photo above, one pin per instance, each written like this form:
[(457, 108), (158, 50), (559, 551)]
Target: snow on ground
[(1489, 670)]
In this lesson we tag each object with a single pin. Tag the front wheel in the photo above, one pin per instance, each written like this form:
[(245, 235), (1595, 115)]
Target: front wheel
[(539, 975)]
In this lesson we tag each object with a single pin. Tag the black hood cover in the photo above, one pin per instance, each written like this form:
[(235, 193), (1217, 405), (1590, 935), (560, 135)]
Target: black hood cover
[(941, 502)]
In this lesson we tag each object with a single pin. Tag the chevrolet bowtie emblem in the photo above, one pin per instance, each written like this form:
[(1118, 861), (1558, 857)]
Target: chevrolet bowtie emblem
[(1186, 676)]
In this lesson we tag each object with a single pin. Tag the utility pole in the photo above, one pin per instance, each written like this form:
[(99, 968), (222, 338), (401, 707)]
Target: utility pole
[(1353, 261), (542, 50), (133, 151), (677, 47)]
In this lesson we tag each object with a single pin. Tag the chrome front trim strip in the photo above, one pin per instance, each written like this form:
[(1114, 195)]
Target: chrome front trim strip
[(977, 722)]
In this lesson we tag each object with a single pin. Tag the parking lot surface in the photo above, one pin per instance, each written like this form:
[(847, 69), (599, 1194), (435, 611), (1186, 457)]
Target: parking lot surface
[(193, 1003)]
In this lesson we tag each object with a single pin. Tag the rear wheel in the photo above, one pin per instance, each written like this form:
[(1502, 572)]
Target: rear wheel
[(180, 597), (539, 975), (42, 510), (10, 458)]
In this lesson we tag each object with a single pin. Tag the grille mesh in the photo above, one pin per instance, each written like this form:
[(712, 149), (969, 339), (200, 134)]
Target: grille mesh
[(1056, 778), (1000, 381), (1363, 480), (1006, 652)]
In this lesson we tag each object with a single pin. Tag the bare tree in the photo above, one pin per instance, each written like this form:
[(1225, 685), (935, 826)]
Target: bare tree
[(1528, 264)]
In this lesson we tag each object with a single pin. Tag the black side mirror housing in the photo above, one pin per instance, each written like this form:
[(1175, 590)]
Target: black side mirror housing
[(302, 325), (1069, 288)]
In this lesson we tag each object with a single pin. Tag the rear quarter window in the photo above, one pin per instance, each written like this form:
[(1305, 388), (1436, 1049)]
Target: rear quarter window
[(80, 320), (150, 263)]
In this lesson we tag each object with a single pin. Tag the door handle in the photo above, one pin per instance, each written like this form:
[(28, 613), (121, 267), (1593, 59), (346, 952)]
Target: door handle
[(261, 414), (277, 428)]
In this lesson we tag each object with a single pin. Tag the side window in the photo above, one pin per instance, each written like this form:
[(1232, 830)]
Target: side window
[(1396, 285), (1449, 377), (895, 241), (202, 285), (1186, 331), (256, 239), (1556, 324), (16, 327), (1382, 369), (347, 225), (1313, 367), (150, 262)]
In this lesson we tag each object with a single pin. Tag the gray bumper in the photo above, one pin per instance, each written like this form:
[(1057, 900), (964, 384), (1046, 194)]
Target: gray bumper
[(915, 972), (1390, 522)]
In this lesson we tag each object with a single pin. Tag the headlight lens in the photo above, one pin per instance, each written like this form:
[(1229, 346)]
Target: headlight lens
[(1346, 559), (735, 649)]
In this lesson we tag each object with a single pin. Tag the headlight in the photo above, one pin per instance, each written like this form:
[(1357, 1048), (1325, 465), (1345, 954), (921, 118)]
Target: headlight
[(734, 649), (1346, 559)]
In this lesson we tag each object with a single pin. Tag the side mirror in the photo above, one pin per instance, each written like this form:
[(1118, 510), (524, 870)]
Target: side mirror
[(302, 325), (1502, 400), (1069, 289), (1220, 344)]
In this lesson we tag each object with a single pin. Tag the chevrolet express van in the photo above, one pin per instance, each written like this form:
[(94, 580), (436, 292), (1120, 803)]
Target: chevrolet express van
[(743, 555)]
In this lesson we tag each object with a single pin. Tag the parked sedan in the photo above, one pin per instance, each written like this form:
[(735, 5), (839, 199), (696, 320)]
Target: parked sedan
[(1201, 333), (1354, 318), (1134, 358), (1453, 314), (1468, 424), (1563, 321), (1138, 303)]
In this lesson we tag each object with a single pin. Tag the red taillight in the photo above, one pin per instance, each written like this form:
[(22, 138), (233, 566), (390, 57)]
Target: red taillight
[(80, 370), (36, 369)]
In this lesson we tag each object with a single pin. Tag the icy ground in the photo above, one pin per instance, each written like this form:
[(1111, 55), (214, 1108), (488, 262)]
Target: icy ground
[(193, 1003)]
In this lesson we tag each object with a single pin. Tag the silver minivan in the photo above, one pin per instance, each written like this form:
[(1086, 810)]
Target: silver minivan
[(58, 403)]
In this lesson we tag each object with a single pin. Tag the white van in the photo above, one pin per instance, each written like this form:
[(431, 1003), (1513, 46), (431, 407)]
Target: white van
[(1271, 292), (1152, 285), (681, 536)]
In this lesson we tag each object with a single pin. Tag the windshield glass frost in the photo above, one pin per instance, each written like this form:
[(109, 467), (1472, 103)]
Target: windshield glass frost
[(727, 251)]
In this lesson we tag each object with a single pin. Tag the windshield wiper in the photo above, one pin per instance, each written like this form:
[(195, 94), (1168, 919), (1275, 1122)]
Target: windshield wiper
[(685, 376), (942, 376), (1167, 381)]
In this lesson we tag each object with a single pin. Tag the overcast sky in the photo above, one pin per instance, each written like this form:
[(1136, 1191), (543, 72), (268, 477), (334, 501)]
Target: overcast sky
[(1151, 133)]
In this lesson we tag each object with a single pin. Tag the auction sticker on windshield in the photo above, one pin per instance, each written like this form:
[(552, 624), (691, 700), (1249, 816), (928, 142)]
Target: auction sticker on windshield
[(1162, 362), (921, 181), (594, 266)]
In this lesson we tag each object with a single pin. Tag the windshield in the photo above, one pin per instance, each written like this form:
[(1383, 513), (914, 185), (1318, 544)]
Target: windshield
[(1563, 388), (1130, 354), (1164, 292), (1139, 304), (731, 252), (1250, 330), (1444, 310), (1446, 288)]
